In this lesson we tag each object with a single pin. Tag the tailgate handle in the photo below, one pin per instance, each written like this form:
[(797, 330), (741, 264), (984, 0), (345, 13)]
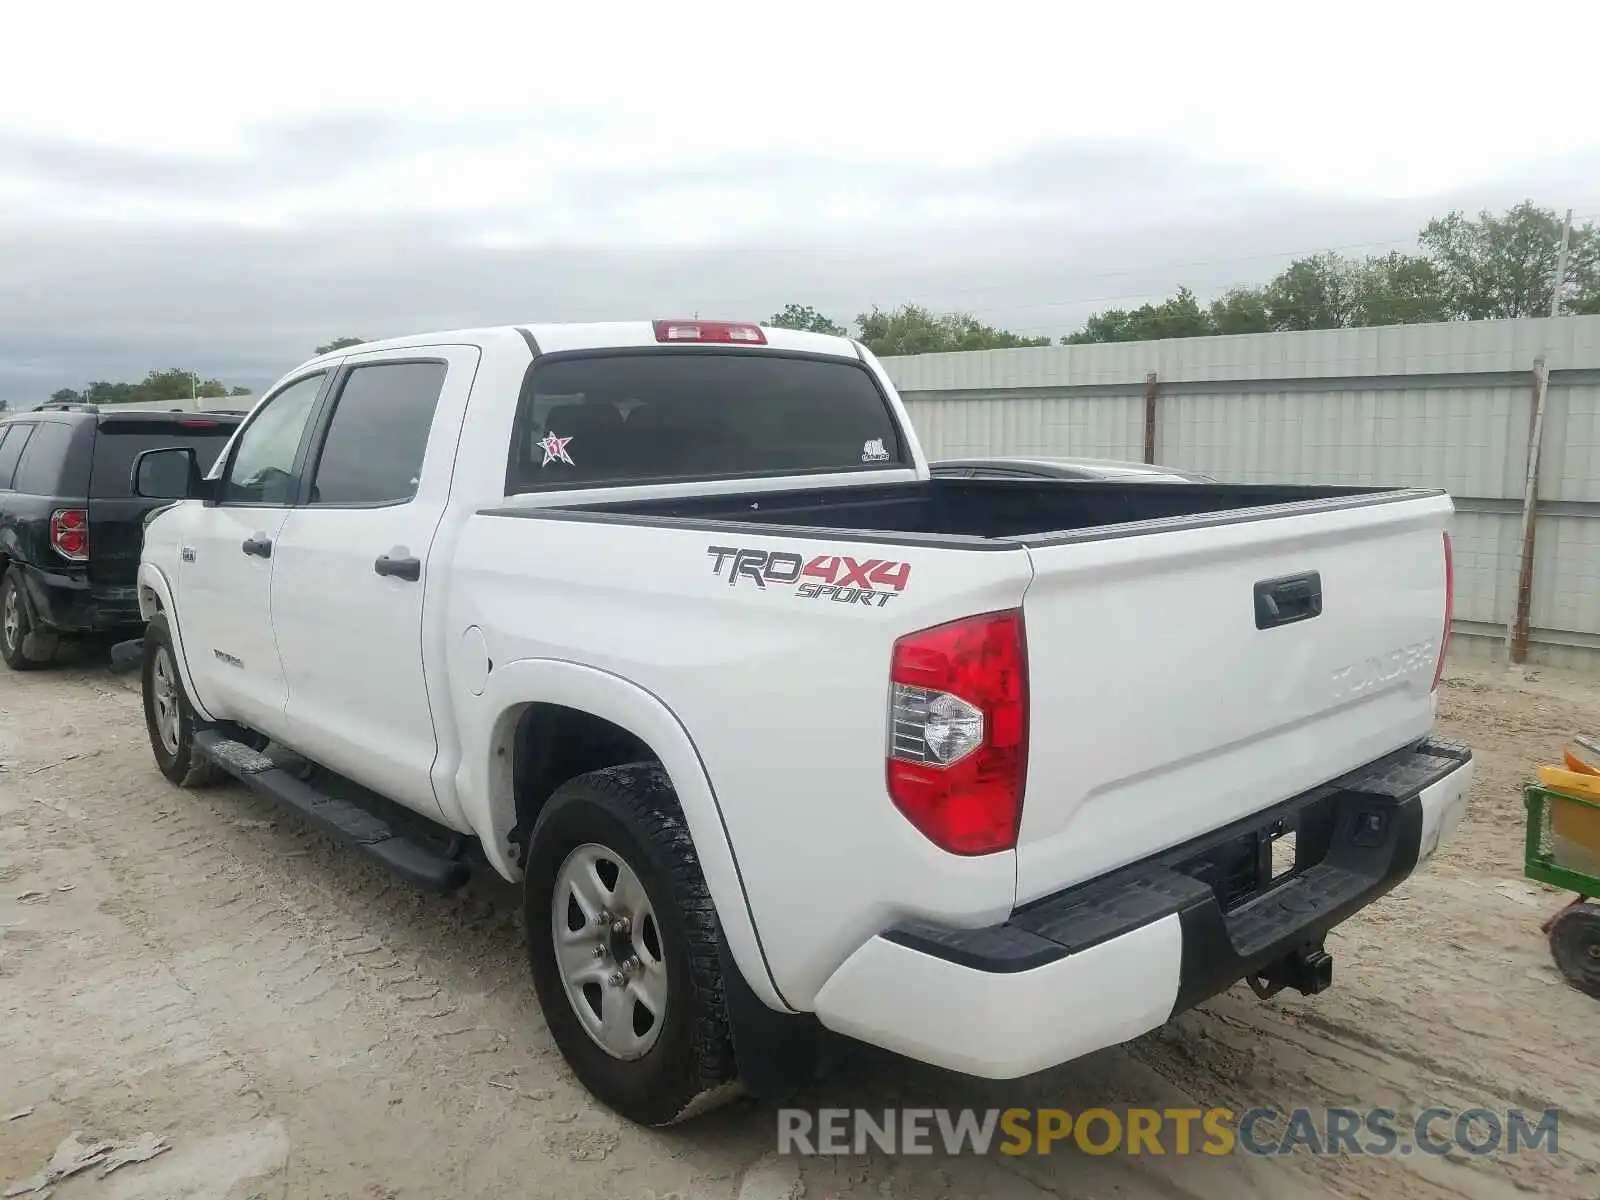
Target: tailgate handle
[(1289, 599)]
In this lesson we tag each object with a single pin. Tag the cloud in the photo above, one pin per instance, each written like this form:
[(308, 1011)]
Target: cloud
[(272, 156), (1032, 240), (1047, 174)]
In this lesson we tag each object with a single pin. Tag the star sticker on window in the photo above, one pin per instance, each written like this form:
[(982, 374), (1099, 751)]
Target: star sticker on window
[(555, 449)]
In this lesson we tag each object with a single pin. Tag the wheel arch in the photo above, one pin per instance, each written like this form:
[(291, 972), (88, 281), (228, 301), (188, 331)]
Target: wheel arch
[(555, 688), (155, 596)]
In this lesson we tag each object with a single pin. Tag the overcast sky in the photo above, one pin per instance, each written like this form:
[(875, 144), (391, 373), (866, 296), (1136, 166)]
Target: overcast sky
[(185, 184)]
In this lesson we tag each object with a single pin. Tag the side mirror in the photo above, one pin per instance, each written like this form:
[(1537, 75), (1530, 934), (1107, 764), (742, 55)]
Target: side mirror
[(169, 474)]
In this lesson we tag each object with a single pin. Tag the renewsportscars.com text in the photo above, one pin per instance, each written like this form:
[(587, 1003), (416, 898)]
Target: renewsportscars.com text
[(1164, 1131)]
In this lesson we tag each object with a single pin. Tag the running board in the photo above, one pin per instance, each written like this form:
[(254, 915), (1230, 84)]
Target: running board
[(366, 831)]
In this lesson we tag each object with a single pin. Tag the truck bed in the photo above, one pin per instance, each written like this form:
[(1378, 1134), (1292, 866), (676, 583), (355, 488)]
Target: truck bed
[(1198, 651), (990, 513)]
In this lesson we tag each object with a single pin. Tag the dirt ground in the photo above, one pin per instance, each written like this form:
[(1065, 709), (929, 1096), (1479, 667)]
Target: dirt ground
[(297, 1023)]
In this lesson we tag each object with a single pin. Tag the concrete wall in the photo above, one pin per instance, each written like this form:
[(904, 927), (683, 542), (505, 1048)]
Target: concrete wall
[(1445, 405)]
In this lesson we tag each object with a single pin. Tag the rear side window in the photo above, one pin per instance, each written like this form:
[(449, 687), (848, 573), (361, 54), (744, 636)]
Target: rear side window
[(39, 471), (11, 444), (678, 414), (117, 445), (379, 434)]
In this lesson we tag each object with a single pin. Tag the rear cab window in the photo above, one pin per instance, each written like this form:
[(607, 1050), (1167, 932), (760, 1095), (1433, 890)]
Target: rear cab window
[(120, 441), (378, 436), (595, 419)]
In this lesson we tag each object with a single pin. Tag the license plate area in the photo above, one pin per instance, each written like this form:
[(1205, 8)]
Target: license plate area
[(1281, 849), (1256, 856)]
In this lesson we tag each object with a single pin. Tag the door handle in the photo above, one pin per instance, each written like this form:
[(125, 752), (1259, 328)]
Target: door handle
[(399, 568), (1289, 599), (260, 545)]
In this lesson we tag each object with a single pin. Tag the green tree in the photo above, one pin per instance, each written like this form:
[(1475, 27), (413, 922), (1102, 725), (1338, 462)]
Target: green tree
[(66, 396), (1395, 289), (1241, 310), (1503, 266), (340, 343), (912, 329), (1311, 293), (1468, 270), (807, 319), (169, 386), (1180, 316)]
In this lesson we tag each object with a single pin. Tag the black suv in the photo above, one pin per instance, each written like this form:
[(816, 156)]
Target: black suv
[(71, 529)]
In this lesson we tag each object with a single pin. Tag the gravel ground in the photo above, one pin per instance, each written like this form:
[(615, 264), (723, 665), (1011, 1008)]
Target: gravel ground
[(294, 1022)]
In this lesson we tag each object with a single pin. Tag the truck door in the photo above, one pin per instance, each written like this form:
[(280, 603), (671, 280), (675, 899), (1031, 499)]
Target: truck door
[(225, 576), (350, 569)]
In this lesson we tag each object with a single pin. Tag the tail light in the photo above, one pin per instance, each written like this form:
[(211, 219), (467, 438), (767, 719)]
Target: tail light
[(958, 731), (709, 331), (1449, 610), (69, 534)]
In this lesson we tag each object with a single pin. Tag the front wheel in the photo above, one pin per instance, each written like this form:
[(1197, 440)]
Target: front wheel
[(168, 716), (622, 937)]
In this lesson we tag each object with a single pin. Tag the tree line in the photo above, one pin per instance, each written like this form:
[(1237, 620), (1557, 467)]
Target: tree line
[(171, 385), (168, 386), (1467, 269)]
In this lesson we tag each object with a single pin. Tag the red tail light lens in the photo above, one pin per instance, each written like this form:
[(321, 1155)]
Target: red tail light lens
[(69, 534), (958, 731), (710, 331), (1449, 610)]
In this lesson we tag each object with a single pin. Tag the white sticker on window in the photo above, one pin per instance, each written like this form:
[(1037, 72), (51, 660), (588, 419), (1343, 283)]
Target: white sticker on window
[(555, 449), (873, 451)]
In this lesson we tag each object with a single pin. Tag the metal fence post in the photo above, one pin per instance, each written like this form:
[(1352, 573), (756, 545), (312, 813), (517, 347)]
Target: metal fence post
[(1152, 396), (1517, 630)]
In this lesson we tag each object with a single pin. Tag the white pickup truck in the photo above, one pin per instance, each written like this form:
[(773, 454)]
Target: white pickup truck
[(669, 622)]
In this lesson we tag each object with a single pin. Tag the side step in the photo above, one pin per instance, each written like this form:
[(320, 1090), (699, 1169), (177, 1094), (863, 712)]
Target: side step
[(366, 831)]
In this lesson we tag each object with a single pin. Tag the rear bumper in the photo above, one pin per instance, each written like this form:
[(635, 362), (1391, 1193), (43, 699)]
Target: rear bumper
[(64, 603), (1118, 956)]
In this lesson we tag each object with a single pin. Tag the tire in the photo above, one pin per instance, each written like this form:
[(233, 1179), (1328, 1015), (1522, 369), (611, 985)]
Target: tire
[(682, 1062), (1575, 945), (168, 716), (23, 647)]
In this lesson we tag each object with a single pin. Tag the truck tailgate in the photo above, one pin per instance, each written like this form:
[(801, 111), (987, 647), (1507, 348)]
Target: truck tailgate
[(1183, 678)]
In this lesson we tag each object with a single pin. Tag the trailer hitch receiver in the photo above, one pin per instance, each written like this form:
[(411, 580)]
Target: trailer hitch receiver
[(1308, 970)]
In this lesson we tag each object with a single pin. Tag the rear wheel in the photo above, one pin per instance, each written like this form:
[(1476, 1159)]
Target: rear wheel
[(623, 941), (23, 647), (1575, 945), (168, 716)]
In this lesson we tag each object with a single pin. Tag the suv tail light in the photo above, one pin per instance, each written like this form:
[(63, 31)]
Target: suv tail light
[(69, 533), (709, 331), (958, 731), (1449, 610)]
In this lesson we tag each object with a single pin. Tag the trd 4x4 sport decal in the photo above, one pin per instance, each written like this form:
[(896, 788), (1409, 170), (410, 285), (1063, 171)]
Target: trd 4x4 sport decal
[(868, 581)]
